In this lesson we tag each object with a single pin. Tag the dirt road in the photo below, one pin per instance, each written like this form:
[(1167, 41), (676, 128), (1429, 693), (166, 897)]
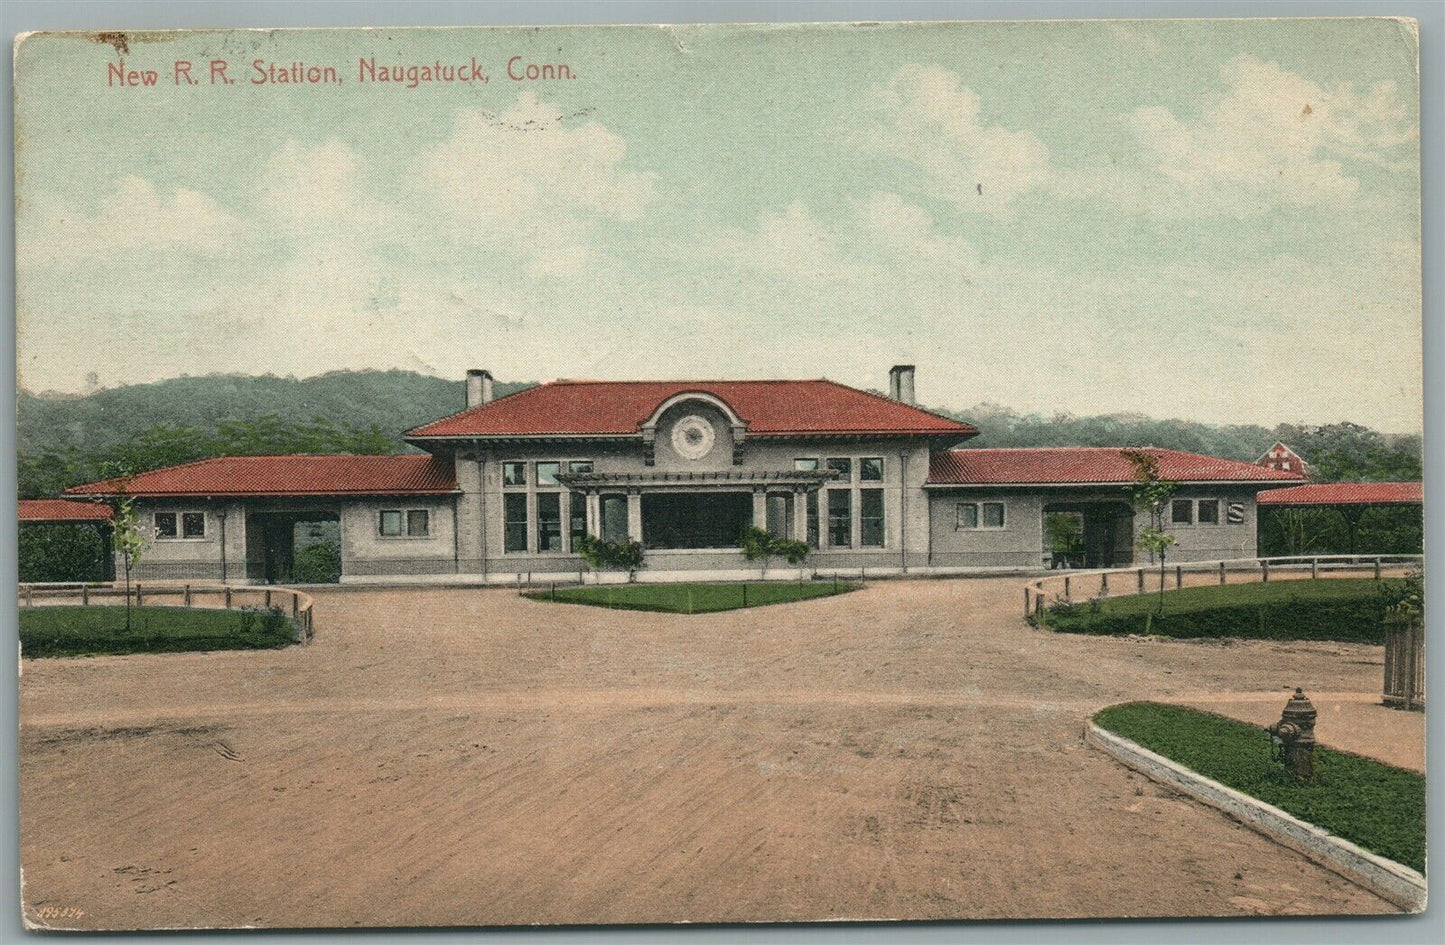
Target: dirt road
[(466, 757)]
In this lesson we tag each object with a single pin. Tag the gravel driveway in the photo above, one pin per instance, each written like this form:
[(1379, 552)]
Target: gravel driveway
[(467, 757)]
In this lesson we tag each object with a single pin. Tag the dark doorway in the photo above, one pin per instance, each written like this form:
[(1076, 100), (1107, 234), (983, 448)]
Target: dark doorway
[(695, 519), (293, 547), (1088, 534)]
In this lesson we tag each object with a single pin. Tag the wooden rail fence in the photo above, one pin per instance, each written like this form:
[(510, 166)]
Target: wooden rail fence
[(298, 605)]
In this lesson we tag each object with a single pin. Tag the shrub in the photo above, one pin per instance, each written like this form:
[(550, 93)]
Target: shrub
[(318, 564), (61, 552), (601, 553), (758, 544)]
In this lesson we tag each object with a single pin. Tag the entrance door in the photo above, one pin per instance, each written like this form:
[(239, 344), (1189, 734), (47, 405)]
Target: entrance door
[(278, 551)]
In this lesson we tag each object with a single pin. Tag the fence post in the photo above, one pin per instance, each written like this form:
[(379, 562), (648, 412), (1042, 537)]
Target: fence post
[(187, 595), (268, 600), (1067, 595), (1221, 572), (1039, 606), (295, 606), (1104, 584), (745, 593), (1377, 568), (137, 595), (1264, 570), (228, 598), (85, 595), (1178, 576), (1314, 569), (27, 596), (1028, 609), (1141, 580)]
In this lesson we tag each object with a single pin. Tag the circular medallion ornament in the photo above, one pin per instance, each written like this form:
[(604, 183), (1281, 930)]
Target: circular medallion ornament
[(692, 437)]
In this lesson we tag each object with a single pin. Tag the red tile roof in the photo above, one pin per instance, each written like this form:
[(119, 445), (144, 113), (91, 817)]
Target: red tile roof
[(619, 408), (63, 510), (1347, 493), (289, 476), (1085, 464)]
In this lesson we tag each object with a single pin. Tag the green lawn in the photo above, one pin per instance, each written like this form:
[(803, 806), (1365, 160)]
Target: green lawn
[(1349, 609), (693, 598), (95, 630), (1374, 805)]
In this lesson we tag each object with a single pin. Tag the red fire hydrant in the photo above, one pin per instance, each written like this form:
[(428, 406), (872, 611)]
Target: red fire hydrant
[(1294, 736)]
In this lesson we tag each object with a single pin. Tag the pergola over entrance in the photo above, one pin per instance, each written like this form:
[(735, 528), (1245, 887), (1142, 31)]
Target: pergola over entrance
[(694, 510), (1350, 499)]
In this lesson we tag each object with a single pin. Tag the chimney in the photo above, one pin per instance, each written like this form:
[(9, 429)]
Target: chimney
[(900, 383), (479, 387)]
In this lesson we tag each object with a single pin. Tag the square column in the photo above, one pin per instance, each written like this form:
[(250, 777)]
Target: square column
[(800, 515), (634, 515), (594, 514), (760, 508)]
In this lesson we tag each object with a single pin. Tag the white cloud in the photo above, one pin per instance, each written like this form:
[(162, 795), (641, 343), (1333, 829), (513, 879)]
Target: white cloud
[(532, 180), (1274, 136), (134, 220), (321, 188), (934, 121)]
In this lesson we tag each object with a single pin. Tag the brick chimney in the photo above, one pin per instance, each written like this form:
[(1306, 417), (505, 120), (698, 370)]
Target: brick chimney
[(479, 387), (900, 383)]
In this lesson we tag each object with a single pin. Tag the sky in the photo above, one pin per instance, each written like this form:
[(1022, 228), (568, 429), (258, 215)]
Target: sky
[(1212, 220)]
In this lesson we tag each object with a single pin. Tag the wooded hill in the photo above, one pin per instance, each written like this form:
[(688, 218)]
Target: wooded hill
[(65, 440)]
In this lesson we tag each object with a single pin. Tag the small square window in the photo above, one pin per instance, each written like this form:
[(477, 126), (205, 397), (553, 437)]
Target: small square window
[(805, 465), (418, 523), (193, 524), (165, 525), (1208, 511), (391, 523), (579, 466), (1181, 512), (993, 515), (870, 469), (967, 515), (514, 474), (843, 466), (547, 473)]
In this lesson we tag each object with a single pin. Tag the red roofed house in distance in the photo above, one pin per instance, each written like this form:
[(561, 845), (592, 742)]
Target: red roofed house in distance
[(509, 486)]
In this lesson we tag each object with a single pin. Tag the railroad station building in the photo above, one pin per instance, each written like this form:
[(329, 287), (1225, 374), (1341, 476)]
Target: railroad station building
[(504, 490)]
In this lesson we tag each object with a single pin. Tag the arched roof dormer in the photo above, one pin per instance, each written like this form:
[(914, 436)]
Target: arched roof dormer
[(648, 427)]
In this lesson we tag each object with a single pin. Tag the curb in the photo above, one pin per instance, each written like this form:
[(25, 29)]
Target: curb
[(1385, 878)]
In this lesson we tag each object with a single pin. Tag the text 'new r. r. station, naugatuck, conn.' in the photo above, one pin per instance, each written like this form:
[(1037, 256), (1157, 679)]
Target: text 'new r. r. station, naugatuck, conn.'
[(185, 73)]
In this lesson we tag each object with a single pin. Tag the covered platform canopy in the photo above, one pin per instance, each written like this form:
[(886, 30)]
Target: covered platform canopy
[(1344, 494), (1350, 500), (64, 512)]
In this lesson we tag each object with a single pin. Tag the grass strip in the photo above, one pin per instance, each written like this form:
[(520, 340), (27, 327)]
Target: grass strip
[(100, 630), (1342, 609), (1372, 804), (691, 598)]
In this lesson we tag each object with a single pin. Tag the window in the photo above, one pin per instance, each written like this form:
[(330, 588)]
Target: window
[(411, 523), (1181, 512), (514, 522), (840, 517), (1208, 511), (514, 474), (549, 521), (547, 473), (805, 465), (578, 514), (579, 466), (870, 469), (165, 525), (871, 516), (193, 524), (843, 466), (813, 519), (979, 515)]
